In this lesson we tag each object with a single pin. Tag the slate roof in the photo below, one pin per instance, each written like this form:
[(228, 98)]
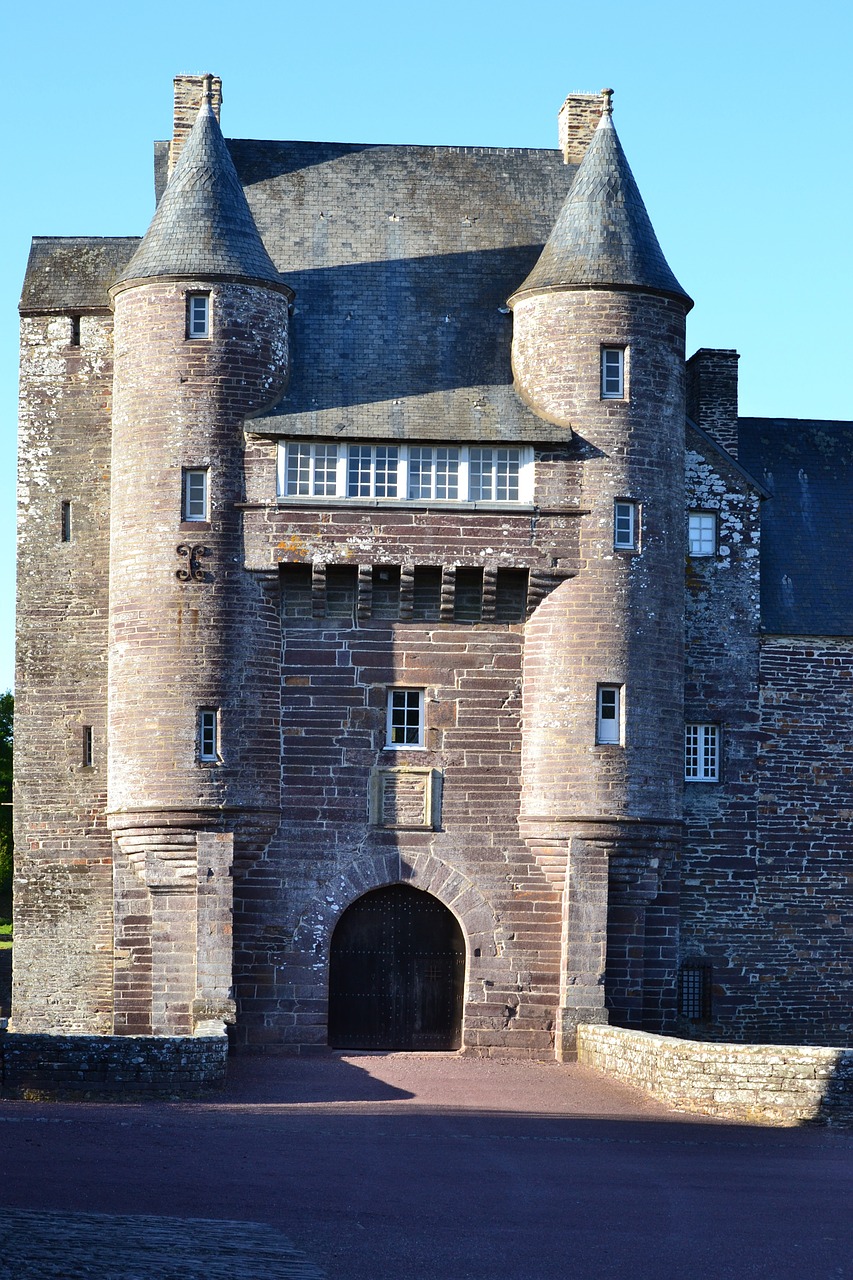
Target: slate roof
[(202, 226), (806, 523), (401, 259), (603, 235), (73, 273)]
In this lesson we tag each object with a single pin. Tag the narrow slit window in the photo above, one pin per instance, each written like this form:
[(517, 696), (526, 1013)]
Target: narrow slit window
[(198, 315), (208, 735), (701, 753), (75, 331), (88, 747), (65, 522), (612, 373), (196, 494), (625, 525), (696, 990), (405, 719), (608, 728)]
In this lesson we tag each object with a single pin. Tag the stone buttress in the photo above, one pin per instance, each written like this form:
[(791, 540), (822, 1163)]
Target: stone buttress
[(193, 640), (598, 346)]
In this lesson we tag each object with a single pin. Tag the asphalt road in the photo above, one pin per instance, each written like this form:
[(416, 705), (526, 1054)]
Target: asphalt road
[(429, 1167)]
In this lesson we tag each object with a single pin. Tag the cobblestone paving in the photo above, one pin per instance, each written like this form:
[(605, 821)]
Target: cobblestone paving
[(79, 1246)]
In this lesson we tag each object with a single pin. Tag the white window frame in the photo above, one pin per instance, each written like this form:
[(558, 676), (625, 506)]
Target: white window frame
[(625, 524), (613, 373), (702, 533), (608, 715), (198, 316), (501, 475), (208, 735), (402, 702), (702, 752), (195, 499)]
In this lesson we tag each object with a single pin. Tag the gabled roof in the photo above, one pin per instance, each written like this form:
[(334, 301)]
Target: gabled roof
[(73, 273), (603, 236), (203, 226), (806, 523)]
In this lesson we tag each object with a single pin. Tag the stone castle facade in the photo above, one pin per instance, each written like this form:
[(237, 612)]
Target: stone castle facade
[(414, 649)]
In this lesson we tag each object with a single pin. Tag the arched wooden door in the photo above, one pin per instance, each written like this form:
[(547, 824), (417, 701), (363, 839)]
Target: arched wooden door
[(396, 973)]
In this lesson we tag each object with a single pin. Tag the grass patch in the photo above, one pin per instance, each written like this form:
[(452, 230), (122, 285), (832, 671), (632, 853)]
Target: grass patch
[(5, 933)]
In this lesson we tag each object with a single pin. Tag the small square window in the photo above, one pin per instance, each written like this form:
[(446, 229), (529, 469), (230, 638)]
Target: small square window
[(195, 503), (208, 735), (701, 753), (608, 727), (702, 533), (198, 315), (405, 719), (612, 373), (625, 525)]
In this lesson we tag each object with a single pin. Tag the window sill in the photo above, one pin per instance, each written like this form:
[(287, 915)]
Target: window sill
[(194, 526), (399, 504)]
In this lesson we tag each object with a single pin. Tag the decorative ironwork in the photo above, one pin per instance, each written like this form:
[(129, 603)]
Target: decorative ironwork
[(192, 570)]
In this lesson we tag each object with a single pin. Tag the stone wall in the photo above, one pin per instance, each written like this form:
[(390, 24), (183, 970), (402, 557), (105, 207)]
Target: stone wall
[(39, 1067), (63, 852), (759, 1084)]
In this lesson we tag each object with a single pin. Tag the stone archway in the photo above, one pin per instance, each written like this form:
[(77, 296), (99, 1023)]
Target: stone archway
[(396, 973)]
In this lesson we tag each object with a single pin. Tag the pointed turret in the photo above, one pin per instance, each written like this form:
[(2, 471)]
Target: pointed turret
[(598, 347), (203, 225), (603, 237)]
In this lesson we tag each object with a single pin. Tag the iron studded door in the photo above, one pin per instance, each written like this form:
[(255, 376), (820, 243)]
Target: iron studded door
[(396, 973)]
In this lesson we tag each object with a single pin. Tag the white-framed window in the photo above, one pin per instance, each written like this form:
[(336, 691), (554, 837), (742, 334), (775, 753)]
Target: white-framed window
[(312, 470), (612, 373), (434, 472), (405, 472), (208, 734), (373, 470), (195, 496), (702, 533), (198, 315), (625, 525), (608, 727), (701, 753), (405, 719)]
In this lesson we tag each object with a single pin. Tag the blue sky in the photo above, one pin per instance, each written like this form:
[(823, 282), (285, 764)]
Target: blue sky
[(734, 118)]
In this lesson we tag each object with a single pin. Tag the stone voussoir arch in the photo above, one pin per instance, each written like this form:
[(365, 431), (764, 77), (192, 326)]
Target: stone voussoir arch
[(480, 925)]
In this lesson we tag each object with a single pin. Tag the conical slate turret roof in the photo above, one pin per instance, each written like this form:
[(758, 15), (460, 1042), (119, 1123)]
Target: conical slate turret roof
[(203, 225), (602, 236)]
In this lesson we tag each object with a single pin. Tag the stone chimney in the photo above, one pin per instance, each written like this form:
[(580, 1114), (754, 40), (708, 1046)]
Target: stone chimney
[(189, 92), (712, 394), (577, 121)]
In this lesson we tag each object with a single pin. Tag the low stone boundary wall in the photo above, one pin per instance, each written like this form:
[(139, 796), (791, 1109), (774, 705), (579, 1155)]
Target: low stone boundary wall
[(121, 1068), (761, 1084)]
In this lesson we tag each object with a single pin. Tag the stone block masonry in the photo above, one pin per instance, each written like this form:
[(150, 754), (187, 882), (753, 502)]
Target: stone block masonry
[(44, 1067), (760, 1084)]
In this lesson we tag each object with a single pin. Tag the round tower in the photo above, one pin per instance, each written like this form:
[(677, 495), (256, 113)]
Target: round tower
[(201, 343), (598, 346)]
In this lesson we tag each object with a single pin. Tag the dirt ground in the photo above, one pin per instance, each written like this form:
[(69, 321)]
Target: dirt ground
[(427, 1166)]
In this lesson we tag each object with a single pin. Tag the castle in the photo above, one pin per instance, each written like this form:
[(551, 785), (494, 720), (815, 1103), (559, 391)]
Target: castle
[(414, 650)]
